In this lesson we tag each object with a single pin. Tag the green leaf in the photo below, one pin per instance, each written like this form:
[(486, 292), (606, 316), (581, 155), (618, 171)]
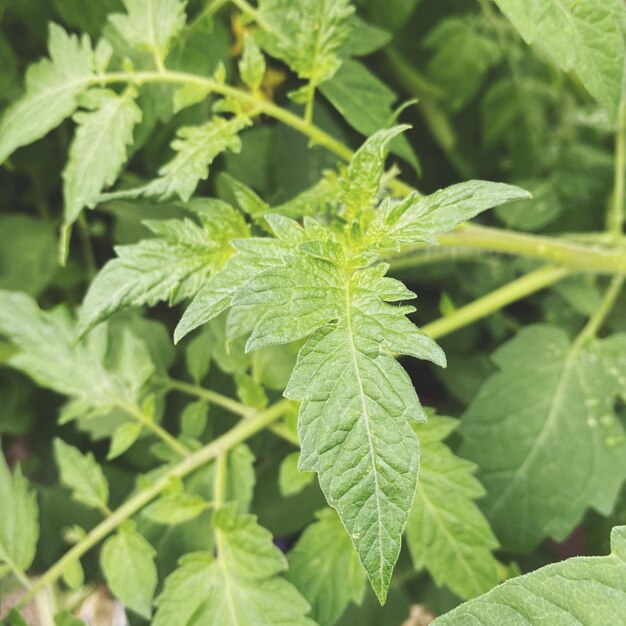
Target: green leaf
[(48, 353), (176, 508), (171, 267), (241, 586), (34, 243), (325, 569), (124, 436), (545, 435), (290, 479), (356, 398), (446, 532), (151, 25), (252, 64), (73, 575), (581, 590), (194, 419), (19, 523), (306, 34), (196, 147), (65, 618), (587, 39), (418, 219), (82, 474), (362, 181), (365, 103), (52, 89), (99, 147), (127, 561), (463, 52)]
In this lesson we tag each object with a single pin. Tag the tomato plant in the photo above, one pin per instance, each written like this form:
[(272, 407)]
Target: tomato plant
[(222, 403)]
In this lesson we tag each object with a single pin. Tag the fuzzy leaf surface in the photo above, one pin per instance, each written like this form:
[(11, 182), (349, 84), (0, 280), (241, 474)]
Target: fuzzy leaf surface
[(170, 267)]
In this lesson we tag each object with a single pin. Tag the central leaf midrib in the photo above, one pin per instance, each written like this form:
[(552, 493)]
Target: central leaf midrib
[(364, 413)]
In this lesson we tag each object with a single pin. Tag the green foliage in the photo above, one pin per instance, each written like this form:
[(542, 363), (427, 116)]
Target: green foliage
[(19, 530), (243, 584), (281, 178), (546, 386), (446, 531), (584, 590)]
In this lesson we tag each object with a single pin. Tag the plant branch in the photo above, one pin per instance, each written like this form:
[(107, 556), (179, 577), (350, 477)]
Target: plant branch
[(155, 428), (602, 312), (615, 217), (496, 300), (210, 396), (242, 431), (570, 254)]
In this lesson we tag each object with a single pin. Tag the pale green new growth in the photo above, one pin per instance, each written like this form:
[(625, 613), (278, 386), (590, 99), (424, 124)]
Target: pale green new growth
[(446, 532), (547, 437), (98, 151), (587, 40), (19, 520), (252, 64), (581, 590), (242, 585), (52, 89), (127, 561), (170, 267), (324, 567), (82, 475)]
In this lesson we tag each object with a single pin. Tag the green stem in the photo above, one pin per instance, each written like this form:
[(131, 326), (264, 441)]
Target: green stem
[(210, 396), (219, 482), (242, 431), (209, 10), (615, 218), (308, 108), (18, 573), (600, 315), (496, 300), (575, 256), (155, 428)]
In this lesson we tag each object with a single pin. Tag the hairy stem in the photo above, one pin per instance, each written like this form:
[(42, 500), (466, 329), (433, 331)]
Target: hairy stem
[(242, 431), (496, 300)]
